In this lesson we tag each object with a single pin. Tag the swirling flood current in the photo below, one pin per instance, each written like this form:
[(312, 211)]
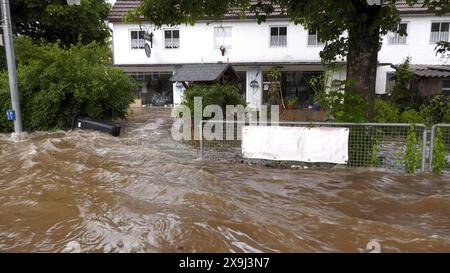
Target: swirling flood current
[(144, 192)]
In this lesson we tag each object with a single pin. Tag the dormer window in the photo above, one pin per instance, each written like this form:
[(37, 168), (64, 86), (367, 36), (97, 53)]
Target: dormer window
[(172, 38), (137, 39)]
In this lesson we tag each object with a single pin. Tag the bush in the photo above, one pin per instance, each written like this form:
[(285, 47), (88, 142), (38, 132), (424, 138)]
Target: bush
[(221, 95), (344, 104), (413, 116), (439, 152), (438, 110), (413, 153), (386, 112), (56, 84), (274, 93)]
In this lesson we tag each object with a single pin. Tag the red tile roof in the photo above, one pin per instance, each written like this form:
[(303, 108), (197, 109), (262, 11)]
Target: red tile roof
[(122, 6)]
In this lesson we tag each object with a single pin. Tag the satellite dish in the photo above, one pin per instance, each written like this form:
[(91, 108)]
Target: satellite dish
[(148, 50)]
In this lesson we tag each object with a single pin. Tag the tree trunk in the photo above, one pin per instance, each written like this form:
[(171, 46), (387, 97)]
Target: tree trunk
[(362, 59)]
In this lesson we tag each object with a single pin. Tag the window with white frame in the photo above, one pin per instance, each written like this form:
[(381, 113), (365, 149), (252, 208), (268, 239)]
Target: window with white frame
[(137, 39), (171, 38), (395, 38), (222, 37), (313, 38), (278, 36), (439, 32)]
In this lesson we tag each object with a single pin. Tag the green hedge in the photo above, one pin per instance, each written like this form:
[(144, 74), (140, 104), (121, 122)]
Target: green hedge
[(434, 112)]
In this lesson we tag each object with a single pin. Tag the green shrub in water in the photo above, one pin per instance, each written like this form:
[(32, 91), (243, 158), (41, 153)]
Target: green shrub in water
[(439, 152), (412, 157)]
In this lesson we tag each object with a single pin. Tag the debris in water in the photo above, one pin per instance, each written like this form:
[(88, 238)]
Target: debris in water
[(72, 247)]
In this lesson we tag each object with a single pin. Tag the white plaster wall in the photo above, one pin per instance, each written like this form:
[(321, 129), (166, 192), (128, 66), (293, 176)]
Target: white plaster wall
[(418, 44), (250, 43)]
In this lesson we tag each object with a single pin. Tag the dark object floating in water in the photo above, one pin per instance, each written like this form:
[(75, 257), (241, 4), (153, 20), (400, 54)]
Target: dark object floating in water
[(107, 127)]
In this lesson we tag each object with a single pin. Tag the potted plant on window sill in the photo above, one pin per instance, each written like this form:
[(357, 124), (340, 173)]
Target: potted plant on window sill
[(292, 102)]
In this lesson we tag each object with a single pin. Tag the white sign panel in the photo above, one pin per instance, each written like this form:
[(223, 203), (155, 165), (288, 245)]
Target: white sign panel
[(324, 144)]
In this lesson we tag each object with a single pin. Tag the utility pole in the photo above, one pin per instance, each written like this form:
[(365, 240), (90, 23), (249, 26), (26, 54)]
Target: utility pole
[(11, 60)]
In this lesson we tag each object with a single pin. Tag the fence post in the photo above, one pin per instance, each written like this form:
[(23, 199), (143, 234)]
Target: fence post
[(424, 148), (433, 136), (200, 130)]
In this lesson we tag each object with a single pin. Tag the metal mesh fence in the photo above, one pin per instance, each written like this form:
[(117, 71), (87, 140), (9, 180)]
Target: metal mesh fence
[(370, 144), (440, 147)]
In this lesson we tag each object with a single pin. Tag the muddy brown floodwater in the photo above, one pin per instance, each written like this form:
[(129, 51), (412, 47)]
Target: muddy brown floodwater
[(144, 192)]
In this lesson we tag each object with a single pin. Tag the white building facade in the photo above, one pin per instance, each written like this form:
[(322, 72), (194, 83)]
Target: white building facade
[(254, 48)]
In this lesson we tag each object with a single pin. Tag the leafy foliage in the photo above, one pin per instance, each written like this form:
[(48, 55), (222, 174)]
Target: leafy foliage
[(437, 110), (56, 84), (318, 85), (54, 20), (221, 95), (292, 100), (402, 94), (434, 112), (439, 152), (386, 112), (413, 116), (413, 153), (274, 93), (343, 104)]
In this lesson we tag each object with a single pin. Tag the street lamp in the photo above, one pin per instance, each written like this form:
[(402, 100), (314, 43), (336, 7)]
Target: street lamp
[(14, 114)]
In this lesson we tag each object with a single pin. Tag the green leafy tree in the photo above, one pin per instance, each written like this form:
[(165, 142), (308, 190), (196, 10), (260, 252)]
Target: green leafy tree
[(55, 20), (56, 84), (352, 28), (402, 93)]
